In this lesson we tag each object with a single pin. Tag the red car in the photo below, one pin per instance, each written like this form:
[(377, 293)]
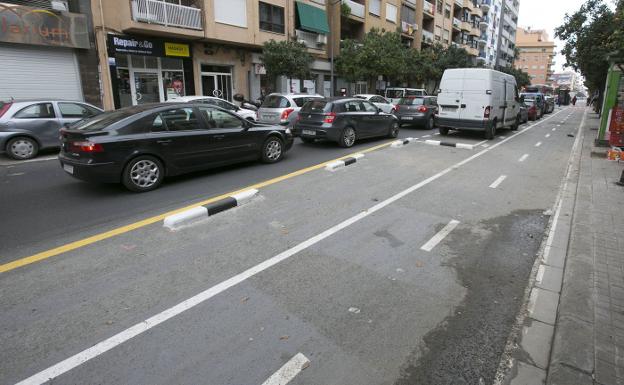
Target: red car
[(533, 109)]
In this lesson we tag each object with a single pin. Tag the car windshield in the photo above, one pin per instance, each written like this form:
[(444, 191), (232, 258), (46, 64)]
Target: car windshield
[(394, 94), (275, 101), (316, 106), (412, 101), (529, 102), (103, 120)]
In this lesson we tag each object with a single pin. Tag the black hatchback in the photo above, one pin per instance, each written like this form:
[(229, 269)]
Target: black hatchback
[(138, 146), (343, 121)]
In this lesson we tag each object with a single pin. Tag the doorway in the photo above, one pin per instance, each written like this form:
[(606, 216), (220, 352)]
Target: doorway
[(216, 81), (147, 87)]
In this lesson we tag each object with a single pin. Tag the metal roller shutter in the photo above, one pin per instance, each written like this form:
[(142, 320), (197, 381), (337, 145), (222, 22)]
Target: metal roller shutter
[(38, 72)]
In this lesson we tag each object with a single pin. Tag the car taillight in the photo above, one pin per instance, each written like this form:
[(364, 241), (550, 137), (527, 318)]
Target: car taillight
[(329, 117), (286, 113), (4, 108), (85, 146), (486, 113), (423, 109), (396, 107)]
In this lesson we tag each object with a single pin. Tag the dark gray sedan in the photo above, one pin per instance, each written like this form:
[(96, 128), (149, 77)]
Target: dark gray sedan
[(343, 121), (27, 126), (417, 111)]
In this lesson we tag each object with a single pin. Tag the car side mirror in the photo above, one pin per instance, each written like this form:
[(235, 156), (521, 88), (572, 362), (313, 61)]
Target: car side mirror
[(66, 125)]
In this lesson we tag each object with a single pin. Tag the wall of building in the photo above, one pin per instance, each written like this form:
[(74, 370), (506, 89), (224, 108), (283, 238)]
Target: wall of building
[(536, 54)]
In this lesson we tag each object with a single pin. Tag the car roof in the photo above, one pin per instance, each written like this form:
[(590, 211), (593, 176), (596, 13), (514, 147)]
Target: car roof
[(42, 101), (291, 95), (367, 95)]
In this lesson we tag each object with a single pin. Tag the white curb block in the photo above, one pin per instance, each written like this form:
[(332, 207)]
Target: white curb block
[(245, 196), (335, 165), (185, 217)]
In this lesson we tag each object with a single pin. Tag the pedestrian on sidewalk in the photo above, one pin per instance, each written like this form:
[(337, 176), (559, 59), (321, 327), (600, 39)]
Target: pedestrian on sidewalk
[(574, 101)]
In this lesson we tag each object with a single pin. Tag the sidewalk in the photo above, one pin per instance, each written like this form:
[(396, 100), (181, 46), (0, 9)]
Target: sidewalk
[(573, 332)]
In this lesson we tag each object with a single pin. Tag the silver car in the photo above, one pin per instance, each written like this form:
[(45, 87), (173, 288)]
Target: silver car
[(27, 126), (282, 108)]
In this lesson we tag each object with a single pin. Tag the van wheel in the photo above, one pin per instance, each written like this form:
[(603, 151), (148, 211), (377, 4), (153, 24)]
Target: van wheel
[(516, 124), (443, 130), (490, 130)]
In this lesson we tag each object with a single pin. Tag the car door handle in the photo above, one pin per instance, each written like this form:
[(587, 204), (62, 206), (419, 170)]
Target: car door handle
[(164, 141), (219, 136), (463, 106)]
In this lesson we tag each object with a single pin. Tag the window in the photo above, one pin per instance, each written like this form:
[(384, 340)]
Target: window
[(233, 12), (374, 7), (439, 6), (438, 31), (179, 119), (275, 101), (220, 119), (37, 111), (369, 107), (353, 106), (408, 14), (73, 110), (391, 13), (447, 33), (271, 18), (447, 11)]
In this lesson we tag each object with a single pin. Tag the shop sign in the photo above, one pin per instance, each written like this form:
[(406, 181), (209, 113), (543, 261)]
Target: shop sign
[(28, 25), (177, 49)]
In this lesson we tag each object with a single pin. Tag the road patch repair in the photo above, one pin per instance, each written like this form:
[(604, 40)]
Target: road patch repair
[(450, 144), (194, 214), (335, 165)]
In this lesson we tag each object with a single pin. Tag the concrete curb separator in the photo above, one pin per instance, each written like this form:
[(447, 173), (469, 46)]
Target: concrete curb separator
[(333, 166), (401, 143), (450, 144), (194, 214)]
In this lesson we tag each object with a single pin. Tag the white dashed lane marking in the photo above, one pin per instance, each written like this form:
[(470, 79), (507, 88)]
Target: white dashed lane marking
[(498, 181), (523, 158), (433, 242)]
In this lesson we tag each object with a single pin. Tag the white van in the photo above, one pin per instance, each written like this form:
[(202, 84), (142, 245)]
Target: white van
[(477, 99), (394, 94)]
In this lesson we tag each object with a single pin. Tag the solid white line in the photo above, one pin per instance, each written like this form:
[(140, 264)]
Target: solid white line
[(554, 129), (538, 144), (433, 242), (426, 136), (18, 162), (289, 371), (437, 133), (481, 142), (133, 331), (547, 135), (523, 158), (498, 181)]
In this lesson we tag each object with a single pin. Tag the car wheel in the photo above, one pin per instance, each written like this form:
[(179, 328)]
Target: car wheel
[(143, 173), (490, 130), (516, 124), (443, 130), (308, 140), (272, 150), (394, 130), (347, 137), (22, 148), (430, 123)]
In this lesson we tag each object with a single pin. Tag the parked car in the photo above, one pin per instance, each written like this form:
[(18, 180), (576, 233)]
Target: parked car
[(138, 146), (418, 111), (524, 113), (27, 126), (379, 101), (533, 110), (477, 99), (539, 98), (550, 103), (394, 94), (276, 108), (242, 112), (343, 121)]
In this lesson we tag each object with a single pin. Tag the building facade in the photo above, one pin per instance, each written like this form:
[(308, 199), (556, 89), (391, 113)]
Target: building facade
[(507, 38), (536, 54)]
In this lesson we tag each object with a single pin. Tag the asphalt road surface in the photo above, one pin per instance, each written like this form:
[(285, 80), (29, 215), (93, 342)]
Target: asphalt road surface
[(407, 267)]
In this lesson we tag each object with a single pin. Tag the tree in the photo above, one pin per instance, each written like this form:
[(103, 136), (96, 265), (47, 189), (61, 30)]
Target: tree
[(287, 58), (522, 78), (438, 58), (591, 33)]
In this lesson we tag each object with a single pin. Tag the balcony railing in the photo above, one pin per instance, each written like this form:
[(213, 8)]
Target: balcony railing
[(428, 7), (172, 15), (311, 39), (456, 23), (357, 9)]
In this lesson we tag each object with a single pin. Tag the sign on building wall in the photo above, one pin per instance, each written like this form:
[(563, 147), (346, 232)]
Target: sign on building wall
[(144, 46), (28, 25)]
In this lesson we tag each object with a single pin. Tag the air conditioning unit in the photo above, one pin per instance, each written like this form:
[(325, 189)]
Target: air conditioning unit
[(59, 5), (301, 41), (321, 39)]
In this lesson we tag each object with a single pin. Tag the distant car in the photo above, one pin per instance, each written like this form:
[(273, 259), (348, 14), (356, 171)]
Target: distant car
[(138, 146), (343, 121), (394, 94), (417, 111), (550, 103), (539, 98), (379, 101), (27, 126), (524, 113), (276, 108), (242, 112), (533, 110)]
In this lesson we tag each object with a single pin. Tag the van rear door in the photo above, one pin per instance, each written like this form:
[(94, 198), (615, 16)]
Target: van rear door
[(451, 94), (477, 95)]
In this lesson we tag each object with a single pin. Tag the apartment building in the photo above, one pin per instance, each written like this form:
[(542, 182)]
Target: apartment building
[(507, 37), (498, 36), (536, 54), (52, 40)]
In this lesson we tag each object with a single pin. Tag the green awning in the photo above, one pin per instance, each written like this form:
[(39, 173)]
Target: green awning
[(312, 18)]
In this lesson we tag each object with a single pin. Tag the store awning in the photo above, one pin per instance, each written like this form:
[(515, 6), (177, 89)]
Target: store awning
[(312, 18)]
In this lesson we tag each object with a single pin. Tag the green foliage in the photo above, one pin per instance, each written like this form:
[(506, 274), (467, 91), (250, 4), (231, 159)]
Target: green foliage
[(438, 58), (287, 58), (522, 78), (345, 10), (591, 33)]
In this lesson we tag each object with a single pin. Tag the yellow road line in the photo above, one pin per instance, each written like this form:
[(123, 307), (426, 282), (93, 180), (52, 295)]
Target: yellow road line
[(148, 221)]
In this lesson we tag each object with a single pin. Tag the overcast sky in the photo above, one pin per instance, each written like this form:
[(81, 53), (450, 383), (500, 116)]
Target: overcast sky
[(548, 15)]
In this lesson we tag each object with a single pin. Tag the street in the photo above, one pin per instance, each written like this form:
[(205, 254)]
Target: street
[(409, 266)]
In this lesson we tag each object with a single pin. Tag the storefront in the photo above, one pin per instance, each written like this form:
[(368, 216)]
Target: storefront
[(38, 53), (148, 69)]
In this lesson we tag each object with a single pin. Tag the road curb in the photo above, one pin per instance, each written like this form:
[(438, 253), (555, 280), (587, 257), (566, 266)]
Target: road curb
[(333, 166), (186, 217), (401, 143), (450, 144)]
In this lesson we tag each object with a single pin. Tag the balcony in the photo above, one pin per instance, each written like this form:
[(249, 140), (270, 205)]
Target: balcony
[(311, 39), (408, 28), (482, 41), (484, 24), (167, 14), (466, 26), (485, 6), (428, 8), (427, 36), (456, 23), (357, 9)]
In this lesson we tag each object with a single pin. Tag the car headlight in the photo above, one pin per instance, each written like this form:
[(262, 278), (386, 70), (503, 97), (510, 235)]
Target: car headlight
[(288, 131)]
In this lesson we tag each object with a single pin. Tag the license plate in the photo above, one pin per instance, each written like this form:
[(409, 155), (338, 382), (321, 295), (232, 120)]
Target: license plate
[(308, 132), (68, 168), (268, 117), (407, 118)]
